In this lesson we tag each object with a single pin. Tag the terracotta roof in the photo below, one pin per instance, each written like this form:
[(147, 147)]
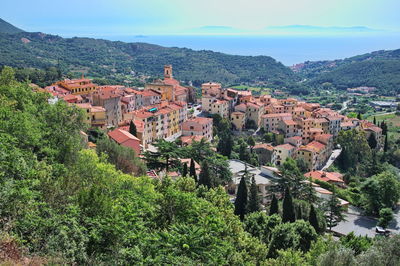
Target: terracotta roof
[(289, 122), (264, 146), (316, 146), (121, 136), (325, 176), (285, 146), (375, 129), (277, 115)]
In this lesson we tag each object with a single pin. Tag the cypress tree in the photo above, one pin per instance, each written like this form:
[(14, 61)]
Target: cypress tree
[(359, 116), (385, 147), (205, 178), (288, 214), (313, 219), (374, 120), (274, 208), (241, 199), (254, 202), (192, 169), (299, 213), (132, 129), (372, 141), (384, 128), (185, 170)]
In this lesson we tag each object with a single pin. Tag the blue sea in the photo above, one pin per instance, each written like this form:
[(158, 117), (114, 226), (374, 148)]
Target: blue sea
[(287, 49)]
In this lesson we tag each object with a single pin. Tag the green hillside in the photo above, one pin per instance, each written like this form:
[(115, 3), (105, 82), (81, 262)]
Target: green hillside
[(379, 69), (102, 58), (6, 27)]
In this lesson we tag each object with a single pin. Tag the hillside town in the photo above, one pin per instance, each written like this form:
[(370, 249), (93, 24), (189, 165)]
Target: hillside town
[(164, 109)]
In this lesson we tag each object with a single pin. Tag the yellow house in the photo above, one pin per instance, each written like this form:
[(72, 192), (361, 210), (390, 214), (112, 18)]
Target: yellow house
[(95, 116), (238, 119)]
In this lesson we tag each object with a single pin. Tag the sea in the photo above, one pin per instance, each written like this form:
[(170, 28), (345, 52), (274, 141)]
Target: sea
[(288, 50)]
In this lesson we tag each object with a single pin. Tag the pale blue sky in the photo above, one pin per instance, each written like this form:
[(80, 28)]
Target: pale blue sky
[(105, 17)]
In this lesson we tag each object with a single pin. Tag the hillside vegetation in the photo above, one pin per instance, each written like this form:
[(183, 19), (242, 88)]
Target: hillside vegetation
[(6, 27), (379, 69), (108, 59)]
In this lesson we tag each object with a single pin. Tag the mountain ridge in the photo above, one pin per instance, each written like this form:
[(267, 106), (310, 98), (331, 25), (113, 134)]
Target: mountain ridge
[(6, 27)]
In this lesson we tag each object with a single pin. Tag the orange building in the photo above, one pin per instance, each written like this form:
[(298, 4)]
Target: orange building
[(77, 86)]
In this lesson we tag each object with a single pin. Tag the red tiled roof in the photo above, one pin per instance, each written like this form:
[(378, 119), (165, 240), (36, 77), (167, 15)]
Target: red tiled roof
[(121, 136), (325, 176), (285, 146)]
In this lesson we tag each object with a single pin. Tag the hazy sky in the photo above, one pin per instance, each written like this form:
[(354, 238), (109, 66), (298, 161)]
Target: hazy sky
[(97, 17)]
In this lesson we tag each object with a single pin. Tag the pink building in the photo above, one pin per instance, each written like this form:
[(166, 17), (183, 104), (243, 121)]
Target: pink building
[(199, 126)]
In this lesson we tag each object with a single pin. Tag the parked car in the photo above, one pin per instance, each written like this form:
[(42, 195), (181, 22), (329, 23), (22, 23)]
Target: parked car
[(382, 231)]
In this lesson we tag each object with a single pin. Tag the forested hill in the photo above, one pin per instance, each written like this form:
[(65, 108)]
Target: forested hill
[(109, 59), (379, 69), (6, 27)]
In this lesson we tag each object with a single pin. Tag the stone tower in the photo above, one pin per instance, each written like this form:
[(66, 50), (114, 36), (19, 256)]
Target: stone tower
[(168, 72)]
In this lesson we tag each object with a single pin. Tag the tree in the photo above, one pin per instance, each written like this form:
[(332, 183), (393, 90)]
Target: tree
[(333, 209), (274, 208), (297, 235), (292, 179), (359, 116), (185, 170), (385, 147), (374, 120), (132, 128), (244, 154), (251, 143), (123, 158), (261, 226), (380, 191), (241, 199), (355, 150), (288, 214), (299, 212), (372, 141), (167, 155), (192, 170), (225, 144), (254, 202), (384, 128), (313, 219), (385, 217), (205, 177)]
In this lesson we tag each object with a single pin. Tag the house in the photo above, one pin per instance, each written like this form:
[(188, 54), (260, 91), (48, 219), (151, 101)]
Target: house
[(126, 139), (110, 99), (270, 121), (329, 177), (287, 127), (211, 88), (296, 141), (314, 155), (263, 181), (199, 126), (238, 119), (264, 153), (95, 116), (77, 86), (150, 97), (220, 107), (282, 152)]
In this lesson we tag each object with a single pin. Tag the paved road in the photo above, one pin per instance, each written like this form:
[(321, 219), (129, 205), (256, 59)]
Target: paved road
[(344, 107), (332, 158), (364, 225)]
